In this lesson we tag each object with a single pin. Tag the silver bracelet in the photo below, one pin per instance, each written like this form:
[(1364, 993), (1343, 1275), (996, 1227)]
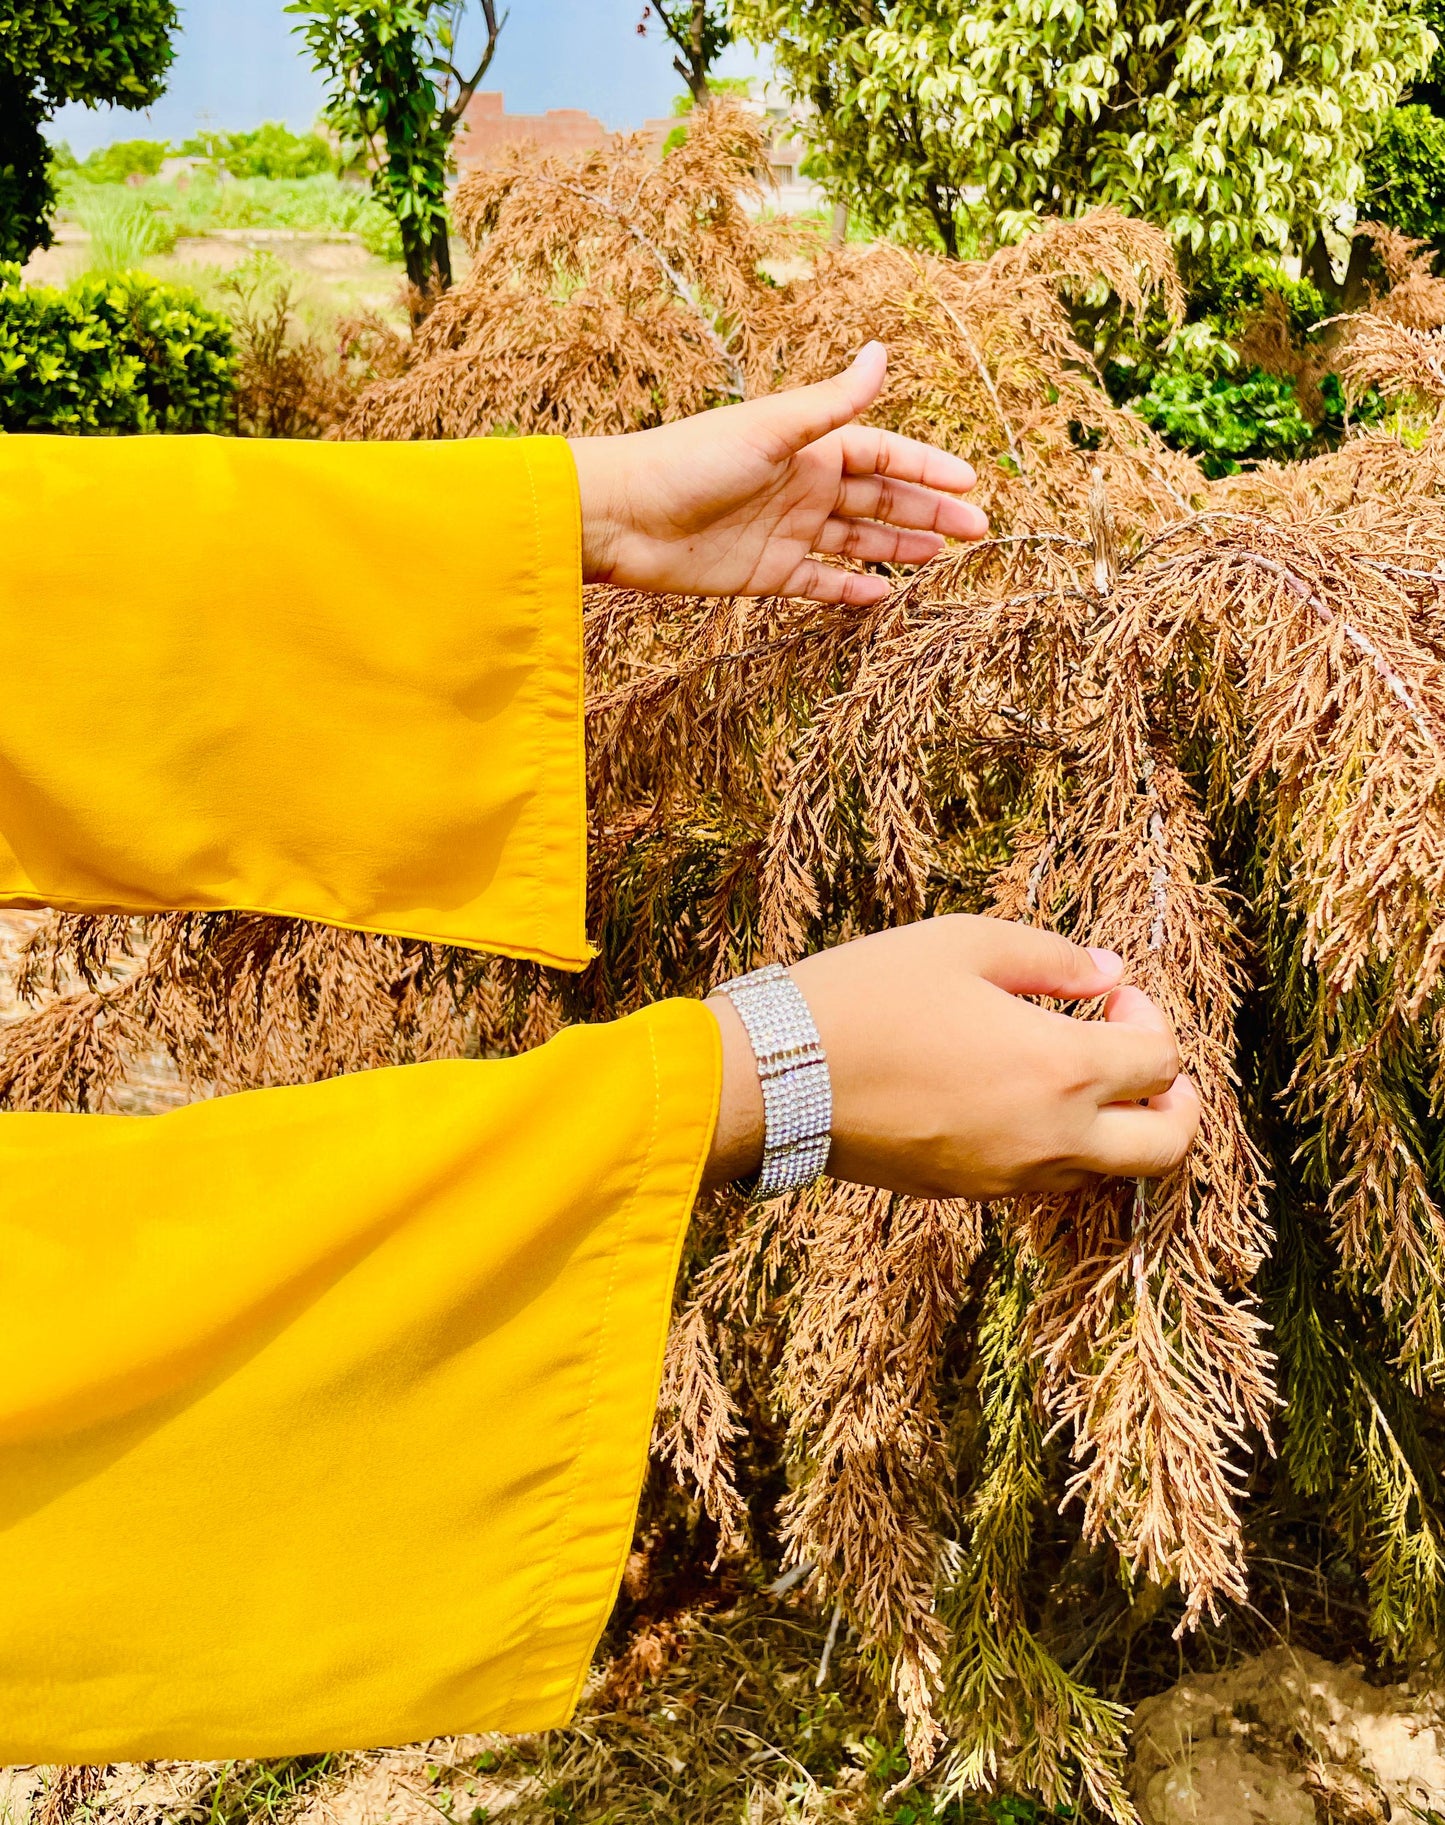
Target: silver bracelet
[(797, 1091)]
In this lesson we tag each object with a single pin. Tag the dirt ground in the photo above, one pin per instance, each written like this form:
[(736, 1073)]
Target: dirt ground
[(332, 274)]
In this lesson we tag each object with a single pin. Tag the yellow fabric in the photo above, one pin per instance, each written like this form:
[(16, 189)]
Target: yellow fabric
[(323, 1411), (341, 681)]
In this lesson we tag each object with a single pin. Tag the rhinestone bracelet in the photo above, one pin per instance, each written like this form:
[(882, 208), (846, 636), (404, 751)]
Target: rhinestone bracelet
[(793, 1071)]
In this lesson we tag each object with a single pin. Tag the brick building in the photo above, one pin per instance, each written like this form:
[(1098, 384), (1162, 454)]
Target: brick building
[(487, 129)]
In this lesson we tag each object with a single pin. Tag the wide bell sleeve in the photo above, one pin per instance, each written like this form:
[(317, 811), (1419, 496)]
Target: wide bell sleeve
[(324, 1410), (337, 681)]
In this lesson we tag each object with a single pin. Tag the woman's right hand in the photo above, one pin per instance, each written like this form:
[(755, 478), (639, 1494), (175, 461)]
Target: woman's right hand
[(947, 1084)]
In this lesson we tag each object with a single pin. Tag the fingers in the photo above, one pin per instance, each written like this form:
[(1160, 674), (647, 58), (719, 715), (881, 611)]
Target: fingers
[(1132, 1052), (813, 582), (1136, 1141), (1128, 1063), (1027, 960), (1131, 1007), (802, 415), (868, 452), (876, 544), (904, 503)]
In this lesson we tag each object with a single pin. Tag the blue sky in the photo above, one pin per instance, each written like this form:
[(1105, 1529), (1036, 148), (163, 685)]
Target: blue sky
[(237, 64)]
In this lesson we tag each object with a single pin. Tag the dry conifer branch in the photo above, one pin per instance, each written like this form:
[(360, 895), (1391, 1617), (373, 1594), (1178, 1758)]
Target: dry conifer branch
[(1015, 451), (1397, 685), (688, 293)]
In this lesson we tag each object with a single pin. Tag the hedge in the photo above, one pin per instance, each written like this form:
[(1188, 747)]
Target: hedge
[(120, 353)]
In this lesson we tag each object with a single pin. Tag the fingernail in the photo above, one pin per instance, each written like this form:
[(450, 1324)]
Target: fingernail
[(1108, 961)]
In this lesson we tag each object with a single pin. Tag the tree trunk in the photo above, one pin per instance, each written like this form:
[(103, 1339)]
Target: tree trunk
[(943, 218), (691, 62), (441, 258), (428, 263), (700, 90)]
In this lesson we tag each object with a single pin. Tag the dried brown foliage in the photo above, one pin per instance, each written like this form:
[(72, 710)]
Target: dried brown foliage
[(1208, 734), (1267, 340), (611, 293), (289, 382), (1414, 293), (1397, 342), (604, 292)]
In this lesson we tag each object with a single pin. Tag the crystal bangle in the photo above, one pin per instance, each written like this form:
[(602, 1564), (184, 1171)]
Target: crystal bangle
[(793, 1072)]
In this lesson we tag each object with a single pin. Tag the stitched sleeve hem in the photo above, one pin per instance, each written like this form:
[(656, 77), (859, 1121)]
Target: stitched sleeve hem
[(613, 1448)]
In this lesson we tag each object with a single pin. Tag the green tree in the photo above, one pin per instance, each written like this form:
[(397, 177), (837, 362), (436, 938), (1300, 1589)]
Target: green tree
[(392, 83), (1235, 124), (701, 31), (124, 158), (1405, 168), (53, 51), (1405, 172), (270, 150), (1430, 89)]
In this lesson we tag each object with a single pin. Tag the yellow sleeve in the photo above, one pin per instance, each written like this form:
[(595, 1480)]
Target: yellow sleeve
[(338, 681), (324, 1411)]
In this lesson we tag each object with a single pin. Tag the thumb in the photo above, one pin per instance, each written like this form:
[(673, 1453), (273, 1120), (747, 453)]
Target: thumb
[(801, 415), (1027, 960), (1131, 1007)]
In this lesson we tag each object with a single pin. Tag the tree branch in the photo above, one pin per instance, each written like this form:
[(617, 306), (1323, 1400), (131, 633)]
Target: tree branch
[(737, 382), (691, 63), (450, 118), (1361, 641)]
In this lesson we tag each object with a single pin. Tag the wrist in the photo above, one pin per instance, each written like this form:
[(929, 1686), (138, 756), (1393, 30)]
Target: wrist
[(792, 1079), (737, 1142), (596, 463)]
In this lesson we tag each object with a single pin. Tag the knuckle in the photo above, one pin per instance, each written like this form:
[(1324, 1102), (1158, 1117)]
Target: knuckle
[(1171, 1153), (1072, 1062), (1066, 953), (960, 929)]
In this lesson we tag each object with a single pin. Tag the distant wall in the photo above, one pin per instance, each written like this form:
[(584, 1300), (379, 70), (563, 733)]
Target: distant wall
[(487, 129)]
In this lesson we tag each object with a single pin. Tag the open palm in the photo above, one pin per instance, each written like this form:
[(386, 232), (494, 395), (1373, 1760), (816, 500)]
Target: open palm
[(744, 499)]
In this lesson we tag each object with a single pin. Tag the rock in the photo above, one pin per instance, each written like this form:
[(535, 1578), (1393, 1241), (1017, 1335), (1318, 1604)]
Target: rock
[(1288, 1738), (1224, 1783)]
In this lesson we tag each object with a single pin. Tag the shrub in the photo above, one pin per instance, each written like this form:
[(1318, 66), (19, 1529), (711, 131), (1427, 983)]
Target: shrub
[(1209, 739), (126, 158), (287, 382), (1229, 292), (1247, 379), (270, 150), (118, 354), (1405, 173), (1223, 419)]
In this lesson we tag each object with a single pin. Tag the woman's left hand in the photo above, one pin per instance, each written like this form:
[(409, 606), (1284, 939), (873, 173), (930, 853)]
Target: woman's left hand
[(736, 501)]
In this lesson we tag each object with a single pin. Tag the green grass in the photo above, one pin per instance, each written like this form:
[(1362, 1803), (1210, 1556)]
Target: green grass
[(246, 1792), (123, 232), (321, 205)]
